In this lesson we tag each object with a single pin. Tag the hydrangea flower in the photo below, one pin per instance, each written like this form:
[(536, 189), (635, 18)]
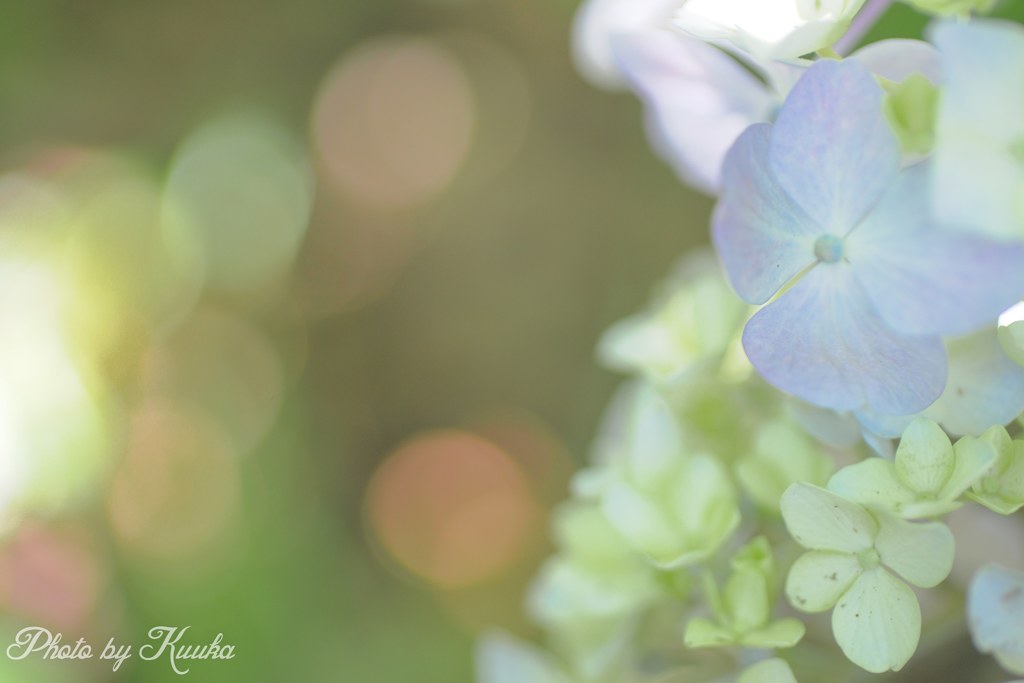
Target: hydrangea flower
[(769, 29), (699, 99), (600, 23), (782, 454), (743, 610), (926, 479), (984, 387), (673, 506), (694, 321), (815, 209), (979, 150), (995, 603), (590, 595), (854, 560), (1001, 488)]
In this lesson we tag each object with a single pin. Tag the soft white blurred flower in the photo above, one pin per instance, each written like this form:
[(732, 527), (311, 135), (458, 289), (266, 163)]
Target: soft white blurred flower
[(590, 595), (769, 29), (995, 602), (699, 97), (691, 326), (599, 23), (979, 136)]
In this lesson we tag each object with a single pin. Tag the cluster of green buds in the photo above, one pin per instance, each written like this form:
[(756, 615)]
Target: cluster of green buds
[(692, 545)]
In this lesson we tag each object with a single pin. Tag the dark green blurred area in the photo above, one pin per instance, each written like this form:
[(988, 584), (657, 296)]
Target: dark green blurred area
[(508, 278)]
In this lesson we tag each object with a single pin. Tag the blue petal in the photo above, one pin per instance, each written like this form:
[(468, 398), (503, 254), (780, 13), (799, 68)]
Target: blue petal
[(822, 342), (832, 150), (883, 426), (924, 279), (763, 239)]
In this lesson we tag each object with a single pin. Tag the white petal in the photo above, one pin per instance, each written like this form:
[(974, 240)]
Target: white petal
[(599, 22), (698, 101)]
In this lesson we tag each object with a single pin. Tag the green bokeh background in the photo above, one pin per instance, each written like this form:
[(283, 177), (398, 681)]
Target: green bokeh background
[(509, 281)]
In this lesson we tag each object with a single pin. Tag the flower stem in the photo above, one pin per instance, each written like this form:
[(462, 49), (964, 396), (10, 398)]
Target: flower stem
[(862, 23)]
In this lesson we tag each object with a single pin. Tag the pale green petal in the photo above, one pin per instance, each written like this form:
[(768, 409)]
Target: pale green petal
[(583, 532), (503, 659), (999, 438), (928, 508), (768, 671), (1011, 337), (713, 597), (755, 555), (924, 458), (638, 343), (872, 482), (641, 522), (704, 508), (1002, 488), (747, 599), (922, 553), (822, 520), (1012, 480), (781, 633), (567, 593), (996, 503), (654, 444), (706, 633), (818, 579), (877, 623), (974, 457), (783, 454)]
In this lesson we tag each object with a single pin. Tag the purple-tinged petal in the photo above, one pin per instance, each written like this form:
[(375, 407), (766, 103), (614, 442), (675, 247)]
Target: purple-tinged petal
[(832, 150), (598, 22), (883, 426), (822, 341), (698, 100), (984, 388), (923, 279), (839, 430), (897, 59), (762, 237)]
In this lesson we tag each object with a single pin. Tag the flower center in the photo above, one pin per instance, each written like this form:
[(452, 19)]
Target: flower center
[(828, 249), (869, 559)]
